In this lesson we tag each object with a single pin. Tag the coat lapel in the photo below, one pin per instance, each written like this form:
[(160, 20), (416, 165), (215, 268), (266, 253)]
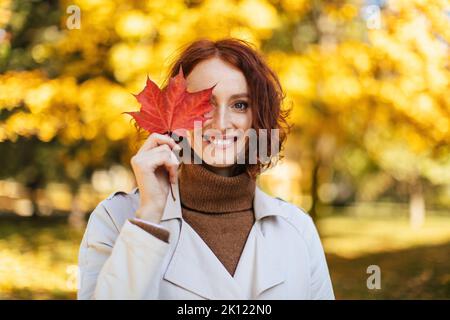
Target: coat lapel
[(269, 266), (262, 267), (194, 267)]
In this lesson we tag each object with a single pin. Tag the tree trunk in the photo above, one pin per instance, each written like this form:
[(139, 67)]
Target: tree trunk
[(314, 190), (76, 216), (32, 186), (416, 205), (34, 203)]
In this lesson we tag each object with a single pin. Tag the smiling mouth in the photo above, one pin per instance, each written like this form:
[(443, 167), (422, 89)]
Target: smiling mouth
[(222, 142)]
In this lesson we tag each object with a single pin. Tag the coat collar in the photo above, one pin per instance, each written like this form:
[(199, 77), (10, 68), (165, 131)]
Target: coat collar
[(194, 267), (263, 205)]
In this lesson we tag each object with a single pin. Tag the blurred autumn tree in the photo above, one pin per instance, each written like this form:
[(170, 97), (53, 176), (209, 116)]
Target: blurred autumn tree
[(371, 106), (373, 102)]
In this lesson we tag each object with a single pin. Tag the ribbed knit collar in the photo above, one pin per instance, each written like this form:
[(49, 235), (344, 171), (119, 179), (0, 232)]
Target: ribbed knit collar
[(205, 191)]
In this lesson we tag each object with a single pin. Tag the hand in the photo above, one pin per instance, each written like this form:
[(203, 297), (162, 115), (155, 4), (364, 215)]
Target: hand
[(154, 165)]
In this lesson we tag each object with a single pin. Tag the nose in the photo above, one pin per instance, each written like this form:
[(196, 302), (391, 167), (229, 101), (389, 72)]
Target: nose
[(221, 118)]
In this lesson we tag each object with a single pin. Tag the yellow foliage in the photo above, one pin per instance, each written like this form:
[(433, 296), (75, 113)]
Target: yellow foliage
[(340, 85), (134, 24), (260, 15)]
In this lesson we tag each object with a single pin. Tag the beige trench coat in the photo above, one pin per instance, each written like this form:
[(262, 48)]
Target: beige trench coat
[(283, 257)]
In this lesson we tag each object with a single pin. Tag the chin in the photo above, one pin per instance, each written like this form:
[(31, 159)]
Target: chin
[(218, 163), (216, 156)]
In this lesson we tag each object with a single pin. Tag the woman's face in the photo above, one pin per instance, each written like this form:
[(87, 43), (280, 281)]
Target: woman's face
[(221, 139)]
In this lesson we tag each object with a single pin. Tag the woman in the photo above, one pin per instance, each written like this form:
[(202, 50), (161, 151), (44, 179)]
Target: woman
[(220, 237)]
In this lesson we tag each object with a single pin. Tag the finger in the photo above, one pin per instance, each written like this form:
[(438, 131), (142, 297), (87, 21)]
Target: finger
[(154, 156), (156, 139), (175, 166), (163, 156), (171, 166), (172, 170), (165, 148)]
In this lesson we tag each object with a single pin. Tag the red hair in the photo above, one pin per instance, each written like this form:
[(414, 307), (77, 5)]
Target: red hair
[(265, 92)]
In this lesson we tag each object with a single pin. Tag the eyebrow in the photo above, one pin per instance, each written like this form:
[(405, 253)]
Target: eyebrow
[(234, 96)]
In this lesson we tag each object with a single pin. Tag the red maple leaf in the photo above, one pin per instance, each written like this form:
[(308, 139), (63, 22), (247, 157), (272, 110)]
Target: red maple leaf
[(173, 109)]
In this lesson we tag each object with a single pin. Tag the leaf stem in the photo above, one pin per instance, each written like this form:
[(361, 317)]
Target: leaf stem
[(171, 192)]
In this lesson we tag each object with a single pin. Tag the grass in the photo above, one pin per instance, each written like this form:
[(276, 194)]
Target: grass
[(39, 257), (354, 236), (415, 273)]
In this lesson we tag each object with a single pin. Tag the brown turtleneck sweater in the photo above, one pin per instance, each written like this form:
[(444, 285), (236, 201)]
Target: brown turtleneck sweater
[(218, 208)]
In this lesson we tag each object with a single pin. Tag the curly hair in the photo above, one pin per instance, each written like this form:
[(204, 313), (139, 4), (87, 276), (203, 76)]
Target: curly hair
[(266, 95)]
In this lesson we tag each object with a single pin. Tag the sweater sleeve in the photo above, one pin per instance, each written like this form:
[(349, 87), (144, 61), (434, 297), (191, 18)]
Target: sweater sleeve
[(110, 259), (152, 228)]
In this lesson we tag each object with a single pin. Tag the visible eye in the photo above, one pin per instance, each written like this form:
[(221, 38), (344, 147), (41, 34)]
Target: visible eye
[(241, 106)]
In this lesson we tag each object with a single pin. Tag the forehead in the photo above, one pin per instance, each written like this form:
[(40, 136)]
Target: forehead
[(207, 73)]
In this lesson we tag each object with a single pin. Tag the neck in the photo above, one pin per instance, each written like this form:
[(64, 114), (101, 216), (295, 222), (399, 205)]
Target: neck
[(229, 171), (206, 191)]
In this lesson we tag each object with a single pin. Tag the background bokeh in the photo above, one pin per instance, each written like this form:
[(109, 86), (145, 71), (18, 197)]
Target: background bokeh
[(368, 156)]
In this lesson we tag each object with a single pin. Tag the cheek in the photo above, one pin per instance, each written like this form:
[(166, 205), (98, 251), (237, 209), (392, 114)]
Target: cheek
[(243, 121)]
